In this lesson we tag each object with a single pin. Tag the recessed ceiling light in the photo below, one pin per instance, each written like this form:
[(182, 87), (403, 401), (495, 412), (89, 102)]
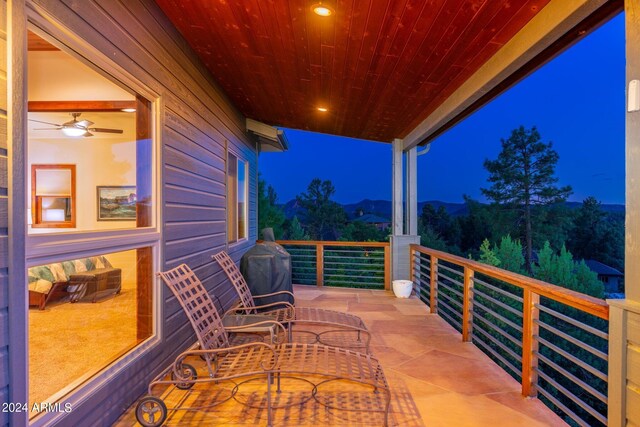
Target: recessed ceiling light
[(128, 110), (321, 8), (322, 109)]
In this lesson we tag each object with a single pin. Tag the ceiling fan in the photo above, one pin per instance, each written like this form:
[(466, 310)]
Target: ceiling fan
[(76, 127)]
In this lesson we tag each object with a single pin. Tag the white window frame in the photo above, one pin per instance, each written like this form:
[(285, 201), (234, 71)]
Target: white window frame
[(46, 248), (236, 220)]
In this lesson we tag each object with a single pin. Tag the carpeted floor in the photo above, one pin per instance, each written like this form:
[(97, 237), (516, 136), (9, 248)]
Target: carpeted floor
[(68, 343)]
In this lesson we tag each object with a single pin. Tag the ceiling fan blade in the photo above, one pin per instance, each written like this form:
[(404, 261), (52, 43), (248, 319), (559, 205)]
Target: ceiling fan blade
[(84, 123), (87, 133), (46, 123), (58, 128), (105, 130)]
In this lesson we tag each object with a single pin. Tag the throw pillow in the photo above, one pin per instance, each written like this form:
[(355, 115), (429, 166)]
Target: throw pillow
[(58, 272), (80, 266), (105, 262), (42, 272), (97, 262), (69, 268)]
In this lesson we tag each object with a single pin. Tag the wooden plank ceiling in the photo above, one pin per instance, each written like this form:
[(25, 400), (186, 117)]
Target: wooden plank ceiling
[(380, 67), (36, 43)]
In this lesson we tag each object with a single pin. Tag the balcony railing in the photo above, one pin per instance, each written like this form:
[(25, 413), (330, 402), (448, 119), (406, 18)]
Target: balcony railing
[(552, 339), (342, 264)]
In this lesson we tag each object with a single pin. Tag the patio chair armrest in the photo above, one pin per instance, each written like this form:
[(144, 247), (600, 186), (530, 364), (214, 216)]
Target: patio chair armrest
[(276, 304), (276, 293), (248, 310), (282, 304), (250, 325), (215, 351)]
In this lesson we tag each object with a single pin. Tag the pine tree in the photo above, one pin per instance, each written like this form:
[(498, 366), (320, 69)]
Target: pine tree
[(269, 214), (510, 254), (587, 231), (544, 270), (563, 271), (430, 239), (296, 232), (487, 255), (474, 227), (597, 235), (358, 231), (523, 176), (323, 218), (587, 281), (438, 220)]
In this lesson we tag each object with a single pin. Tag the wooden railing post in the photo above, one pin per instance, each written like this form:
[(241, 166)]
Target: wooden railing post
[(412, 264), (467, 305), (433, 302), (319, 264), (530, 314), (387, 267)]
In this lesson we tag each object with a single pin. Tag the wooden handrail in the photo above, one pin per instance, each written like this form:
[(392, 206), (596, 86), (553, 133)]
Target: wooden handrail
[(595, 306), (320, 245), (474, 324)]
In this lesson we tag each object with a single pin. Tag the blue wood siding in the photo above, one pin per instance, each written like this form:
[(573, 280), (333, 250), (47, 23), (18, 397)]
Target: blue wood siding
[(4, 282)]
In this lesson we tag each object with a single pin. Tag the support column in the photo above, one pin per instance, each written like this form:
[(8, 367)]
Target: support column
[(398, 214), (412, 192), (400, 241), (617, 384), (624, 315), (632, 141)]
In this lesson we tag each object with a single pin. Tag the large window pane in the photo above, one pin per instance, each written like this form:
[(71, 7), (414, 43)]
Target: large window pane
[(242, 200), (86, 312), (237, 194), (80, 119)]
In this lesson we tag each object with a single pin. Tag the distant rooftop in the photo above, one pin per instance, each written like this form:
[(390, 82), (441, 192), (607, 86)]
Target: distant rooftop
[(602, 269)]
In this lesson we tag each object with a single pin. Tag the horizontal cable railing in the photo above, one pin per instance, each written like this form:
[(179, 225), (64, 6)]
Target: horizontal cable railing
[(551, 339), (340, 264)]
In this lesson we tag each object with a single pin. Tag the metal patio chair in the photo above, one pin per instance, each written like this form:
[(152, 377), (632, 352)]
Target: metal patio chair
[(259, 361), (329, 327)]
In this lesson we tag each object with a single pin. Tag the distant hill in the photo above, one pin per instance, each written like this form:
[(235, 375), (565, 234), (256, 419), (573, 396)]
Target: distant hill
[(383, 208)]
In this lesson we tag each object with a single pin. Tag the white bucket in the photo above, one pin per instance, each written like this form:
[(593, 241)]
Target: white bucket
[(402, 288)]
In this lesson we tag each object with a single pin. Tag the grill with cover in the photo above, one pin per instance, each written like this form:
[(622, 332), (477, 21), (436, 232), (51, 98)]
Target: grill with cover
[(267, 268)]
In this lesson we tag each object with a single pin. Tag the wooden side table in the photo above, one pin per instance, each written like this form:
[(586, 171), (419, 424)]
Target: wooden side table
[(94, 283)]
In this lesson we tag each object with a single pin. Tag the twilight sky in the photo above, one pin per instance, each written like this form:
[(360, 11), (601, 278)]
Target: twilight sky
[(577, 101)]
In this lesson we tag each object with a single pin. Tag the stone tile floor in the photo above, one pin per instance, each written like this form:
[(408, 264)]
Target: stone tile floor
[(435, 378)]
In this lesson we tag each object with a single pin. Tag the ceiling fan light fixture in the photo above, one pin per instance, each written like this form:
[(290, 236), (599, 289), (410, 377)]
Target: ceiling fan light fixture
[(76, 128), (73, 131), (322, 8)]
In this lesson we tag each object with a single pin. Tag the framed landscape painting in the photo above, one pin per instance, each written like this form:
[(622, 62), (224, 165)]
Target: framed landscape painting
[(117, 203)]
